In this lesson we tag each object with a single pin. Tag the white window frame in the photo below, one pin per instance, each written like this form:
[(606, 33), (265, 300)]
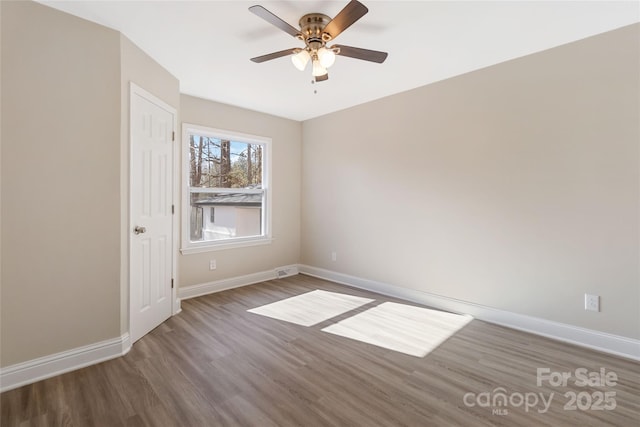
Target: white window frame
[(189, 247)]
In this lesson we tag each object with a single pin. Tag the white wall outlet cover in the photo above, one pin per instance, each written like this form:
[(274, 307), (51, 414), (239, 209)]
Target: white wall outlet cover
[(591, 302)]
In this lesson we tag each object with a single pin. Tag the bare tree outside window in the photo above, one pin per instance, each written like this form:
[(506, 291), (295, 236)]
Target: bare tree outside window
[(219, 163)]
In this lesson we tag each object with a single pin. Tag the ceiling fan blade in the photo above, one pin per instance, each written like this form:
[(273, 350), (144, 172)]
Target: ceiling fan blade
[(322, 78), (274, 55), (359, 53), (347, 16), (274, 20)]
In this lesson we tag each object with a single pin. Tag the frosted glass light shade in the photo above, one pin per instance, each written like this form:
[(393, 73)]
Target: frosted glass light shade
[(300, 59), (326, 57), (318, 70)]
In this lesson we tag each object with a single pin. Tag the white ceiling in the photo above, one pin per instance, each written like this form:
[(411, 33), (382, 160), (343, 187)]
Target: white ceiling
[(207, 44)]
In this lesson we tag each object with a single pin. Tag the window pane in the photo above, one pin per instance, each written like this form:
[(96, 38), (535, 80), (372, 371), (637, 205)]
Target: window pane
[(217, 216), (221, 163)]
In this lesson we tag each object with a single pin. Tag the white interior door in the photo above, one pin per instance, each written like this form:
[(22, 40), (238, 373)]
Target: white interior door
[(151, 219)]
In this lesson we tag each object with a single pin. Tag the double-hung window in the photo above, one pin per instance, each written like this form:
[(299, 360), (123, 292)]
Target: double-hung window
[(226, 189)]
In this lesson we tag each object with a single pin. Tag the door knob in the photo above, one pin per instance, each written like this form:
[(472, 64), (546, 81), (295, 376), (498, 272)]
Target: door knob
[(139, 230)]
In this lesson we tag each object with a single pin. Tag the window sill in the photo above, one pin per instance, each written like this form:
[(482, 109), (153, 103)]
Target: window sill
[(211, 247)]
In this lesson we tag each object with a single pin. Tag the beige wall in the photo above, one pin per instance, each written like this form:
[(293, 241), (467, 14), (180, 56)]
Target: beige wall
[(66, 123), (515, 187), (144, 71), (60, 182), (193, 269)]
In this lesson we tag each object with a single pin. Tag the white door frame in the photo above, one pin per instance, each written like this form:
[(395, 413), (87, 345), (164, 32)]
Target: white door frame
[(133, 91)]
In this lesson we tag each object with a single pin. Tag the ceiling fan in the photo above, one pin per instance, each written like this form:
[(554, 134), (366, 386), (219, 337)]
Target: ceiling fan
[(316, 30)]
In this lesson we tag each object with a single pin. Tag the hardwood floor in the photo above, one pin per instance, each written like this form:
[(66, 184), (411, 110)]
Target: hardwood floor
[(215, 364)]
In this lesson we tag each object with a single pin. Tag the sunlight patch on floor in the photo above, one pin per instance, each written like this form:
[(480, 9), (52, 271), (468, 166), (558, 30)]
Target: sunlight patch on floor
[(311, 308), (415, 331)]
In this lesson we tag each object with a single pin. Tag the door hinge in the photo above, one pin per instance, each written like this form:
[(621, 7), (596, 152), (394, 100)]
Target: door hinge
[(173, 209), (173, 135), (171, 283)]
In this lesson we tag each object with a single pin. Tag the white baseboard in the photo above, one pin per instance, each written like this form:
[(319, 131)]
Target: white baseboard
[(608, 343), (20, 374), (236, 282)]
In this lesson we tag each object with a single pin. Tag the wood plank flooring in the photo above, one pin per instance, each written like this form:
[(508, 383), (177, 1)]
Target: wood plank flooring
[(215, 364)]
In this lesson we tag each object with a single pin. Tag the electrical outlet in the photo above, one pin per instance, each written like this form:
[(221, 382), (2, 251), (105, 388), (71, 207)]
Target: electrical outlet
[(334, 256), (212, 264), (591, 302)]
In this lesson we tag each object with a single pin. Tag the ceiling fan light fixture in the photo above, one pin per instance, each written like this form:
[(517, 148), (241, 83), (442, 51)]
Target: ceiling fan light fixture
[(300, 59), (326, 57), (318, 69)]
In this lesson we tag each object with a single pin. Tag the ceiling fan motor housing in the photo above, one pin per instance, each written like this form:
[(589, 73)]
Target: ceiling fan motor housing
[(311, 30)]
